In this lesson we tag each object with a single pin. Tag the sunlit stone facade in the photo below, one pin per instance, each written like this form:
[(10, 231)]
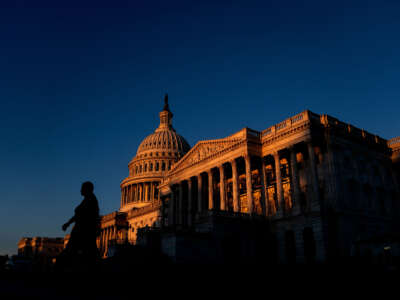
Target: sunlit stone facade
[(40, 247), (313, 183)]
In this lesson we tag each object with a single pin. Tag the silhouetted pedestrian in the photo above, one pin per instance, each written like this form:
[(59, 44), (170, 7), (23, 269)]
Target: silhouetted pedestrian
[(81, 251)]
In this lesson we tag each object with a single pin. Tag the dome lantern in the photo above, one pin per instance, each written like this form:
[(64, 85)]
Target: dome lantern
[(165, 117)]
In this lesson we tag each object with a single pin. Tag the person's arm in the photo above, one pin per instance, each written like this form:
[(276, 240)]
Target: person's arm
[(65, 226)]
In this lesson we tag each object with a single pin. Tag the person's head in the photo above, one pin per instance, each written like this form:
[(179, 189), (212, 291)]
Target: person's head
[(87, 188)]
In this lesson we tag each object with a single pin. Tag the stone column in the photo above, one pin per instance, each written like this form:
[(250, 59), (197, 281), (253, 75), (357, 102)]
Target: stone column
[(295, 178), (135, 196), (249, 187), (180, 205), (314, 176), (131, 193), (199, 193), (235, 186), (102, 243), (156, 198), (158, 192), (264, 196), (149, 188), (210, 190), (222, 187), (126, 195), (279, 191), (153, 191), (190, 204), (171, 208)]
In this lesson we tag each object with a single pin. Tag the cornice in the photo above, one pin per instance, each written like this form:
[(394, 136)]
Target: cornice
[(284, 134), (142, 179)]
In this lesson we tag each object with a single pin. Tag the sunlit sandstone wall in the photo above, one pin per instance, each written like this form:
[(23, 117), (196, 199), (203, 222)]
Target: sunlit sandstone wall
[(312, 175), (114, 227), (40, 246), (143, 217)]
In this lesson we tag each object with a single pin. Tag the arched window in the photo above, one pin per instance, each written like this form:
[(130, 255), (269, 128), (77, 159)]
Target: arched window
[(284, 168), (145, 167), (270, 174), (318, 155), (163, 166), (169, 165), (157, 166), (140, 170), (151, 167), (300, 160)]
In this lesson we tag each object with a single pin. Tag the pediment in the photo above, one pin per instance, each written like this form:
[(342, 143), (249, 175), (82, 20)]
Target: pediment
[(204, 150)]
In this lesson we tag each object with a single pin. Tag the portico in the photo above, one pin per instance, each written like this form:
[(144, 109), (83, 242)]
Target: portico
[(243, 173)]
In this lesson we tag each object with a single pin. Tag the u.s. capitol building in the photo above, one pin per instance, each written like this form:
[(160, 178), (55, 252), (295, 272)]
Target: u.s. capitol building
[(305, 190)]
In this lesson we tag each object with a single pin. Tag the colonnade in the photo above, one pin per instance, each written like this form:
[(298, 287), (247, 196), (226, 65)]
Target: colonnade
[(106, 235), (139, 192), (152, 166), (186, 202)]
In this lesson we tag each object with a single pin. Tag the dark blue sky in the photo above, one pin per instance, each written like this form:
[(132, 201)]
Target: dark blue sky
[(82, 84)]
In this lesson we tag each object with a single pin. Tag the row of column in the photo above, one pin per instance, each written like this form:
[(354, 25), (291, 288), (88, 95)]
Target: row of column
[(150, 167), (268, 207), (140, 192), (107, 234)]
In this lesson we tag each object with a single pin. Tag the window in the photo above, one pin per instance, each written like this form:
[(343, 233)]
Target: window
[(163, 166), (151, 167)]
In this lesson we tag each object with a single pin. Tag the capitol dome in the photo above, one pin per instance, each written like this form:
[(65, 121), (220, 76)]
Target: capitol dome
[(164, 139), (155, 156)]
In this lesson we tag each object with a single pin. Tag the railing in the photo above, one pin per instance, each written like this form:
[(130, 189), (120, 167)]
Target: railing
[(305, 115), (109, 217), (253, 133), (142, 210)]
